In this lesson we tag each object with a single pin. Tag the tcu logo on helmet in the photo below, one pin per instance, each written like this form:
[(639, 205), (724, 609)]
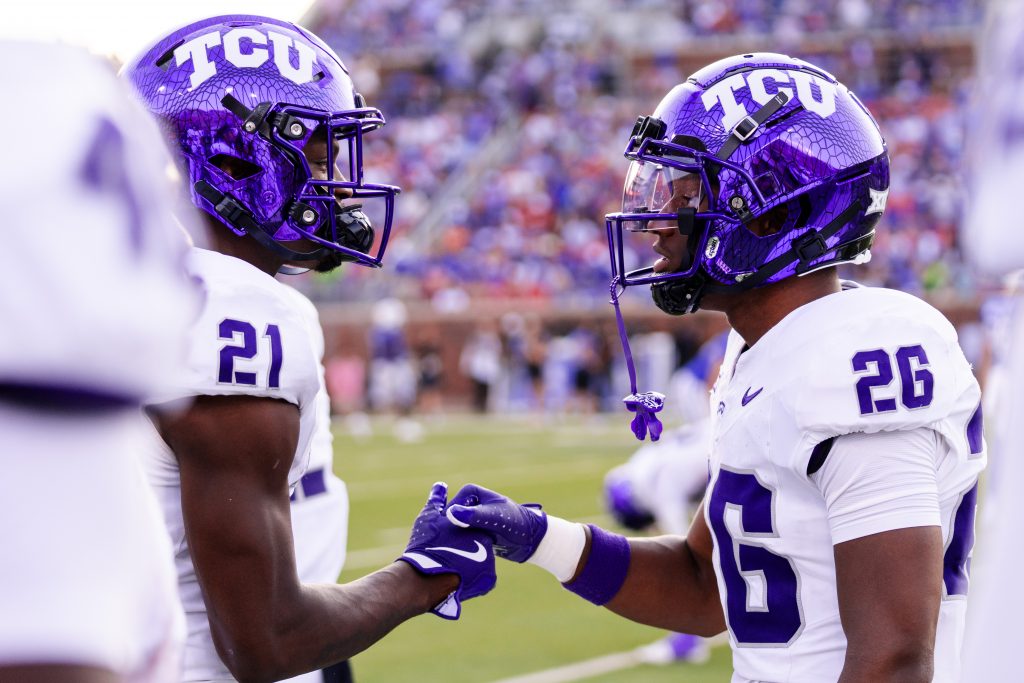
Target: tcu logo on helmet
[(246, 48), (815, 94)]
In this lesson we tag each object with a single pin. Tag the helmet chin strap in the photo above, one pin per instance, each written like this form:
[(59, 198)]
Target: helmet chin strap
[(237, 216), (645, 404)]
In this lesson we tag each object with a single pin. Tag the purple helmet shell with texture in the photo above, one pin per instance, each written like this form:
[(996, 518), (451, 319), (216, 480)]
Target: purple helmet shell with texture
[(241, 97), (756, 139)]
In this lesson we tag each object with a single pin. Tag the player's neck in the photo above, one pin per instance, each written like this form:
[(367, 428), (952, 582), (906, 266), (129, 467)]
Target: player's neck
[(244, 248), (755, 312)]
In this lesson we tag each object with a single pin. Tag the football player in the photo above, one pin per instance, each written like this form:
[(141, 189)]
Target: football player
[(95, 310), (995, 150), (270, 130), (837, 525)]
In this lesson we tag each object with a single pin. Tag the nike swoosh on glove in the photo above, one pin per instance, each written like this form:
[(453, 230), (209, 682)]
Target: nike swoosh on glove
[(437, 546), (517, 529)]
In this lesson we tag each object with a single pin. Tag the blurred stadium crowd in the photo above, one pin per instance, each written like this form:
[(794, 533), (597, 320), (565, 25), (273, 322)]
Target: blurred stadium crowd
[(507, 123)]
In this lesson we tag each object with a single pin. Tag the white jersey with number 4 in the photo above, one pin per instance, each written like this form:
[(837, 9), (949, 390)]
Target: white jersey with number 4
[(250, 340), (861, 363)]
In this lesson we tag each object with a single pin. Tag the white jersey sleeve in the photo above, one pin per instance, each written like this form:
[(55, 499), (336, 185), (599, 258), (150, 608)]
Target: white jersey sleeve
[(251, 339), (893, 364), (879, 482)]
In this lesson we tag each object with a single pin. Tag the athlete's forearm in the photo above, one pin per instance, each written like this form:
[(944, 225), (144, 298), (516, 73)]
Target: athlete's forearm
[(328, 623), (671, 587)]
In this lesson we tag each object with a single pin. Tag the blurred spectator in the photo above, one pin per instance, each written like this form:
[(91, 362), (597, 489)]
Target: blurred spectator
[(393, 379), (481, 362)]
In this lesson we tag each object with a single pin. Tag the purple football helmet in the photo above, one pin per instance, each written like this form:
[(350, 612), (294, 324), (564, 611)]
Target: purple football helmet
[(241, 97), (759, 139), (751, 136)]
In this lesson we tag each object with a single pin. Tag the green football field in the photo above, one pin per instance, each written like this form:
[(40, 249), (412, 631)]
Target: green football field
[(528, 625)]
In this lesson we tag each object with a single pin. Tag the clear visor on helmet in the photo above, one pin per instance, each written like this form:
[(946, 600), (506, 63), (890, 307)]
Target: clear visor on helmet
[(653, 189)]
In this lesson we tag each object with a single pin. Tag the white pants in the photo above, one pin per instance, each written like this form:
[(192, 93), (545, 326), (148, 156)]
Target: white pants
[(87, 575)]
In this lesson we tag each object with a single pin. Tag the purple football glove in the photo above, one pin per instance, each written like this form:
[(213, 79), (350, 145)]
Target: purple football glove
[(437, 546), (517, 529)]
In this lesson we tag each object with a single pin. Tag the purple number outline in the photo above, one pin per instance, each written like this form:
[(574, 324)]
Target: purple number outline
[(882, 378), (227, 374), (743, 491)]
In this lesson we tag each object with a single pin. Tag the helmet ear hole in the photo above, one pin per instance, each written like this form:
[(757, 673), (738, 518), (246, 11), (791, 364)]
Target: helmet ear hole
[(238, 169), (771, 222)]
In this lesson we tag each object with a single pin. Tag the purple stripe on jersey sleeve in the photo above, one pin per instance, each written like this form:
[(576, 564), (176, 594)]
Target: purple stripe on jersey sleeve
[(975, 430)]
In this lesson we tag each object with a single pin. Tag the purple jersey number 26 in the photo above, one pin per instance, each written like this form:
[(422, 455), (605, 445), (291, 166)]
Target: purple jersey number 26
[(247, 350), (917, 384)]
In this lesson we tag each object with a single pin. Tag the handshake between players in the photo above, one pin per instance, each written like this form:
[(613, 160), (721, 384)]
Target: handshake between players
[(463, 535)]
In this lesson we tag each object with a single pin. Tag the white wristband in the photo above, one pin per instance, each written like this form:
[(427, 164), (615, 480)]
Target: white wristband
[(561, 548)]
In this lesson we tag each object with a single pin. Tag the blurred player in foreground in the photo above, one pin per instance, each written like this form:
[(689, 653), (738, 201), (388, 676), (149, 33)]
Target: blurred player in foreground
[(835, 533), (94, 311), (994, 241), (270, 128), (662, 483)]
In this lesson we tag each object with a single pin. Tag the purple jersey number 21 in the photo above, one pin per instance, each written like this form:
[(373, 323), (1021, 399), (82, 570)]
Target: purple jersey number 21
[(248, 350)]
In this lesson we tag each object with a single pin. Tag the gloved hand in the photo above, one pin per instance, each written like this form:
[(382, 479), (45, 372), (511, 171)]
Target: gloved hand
[(437, 546), (517, 529)]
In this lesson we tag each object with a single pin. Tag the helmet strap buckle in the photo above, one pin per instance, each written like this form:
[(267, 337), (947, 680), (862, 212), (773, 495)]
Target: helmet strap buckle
[(808, 247)]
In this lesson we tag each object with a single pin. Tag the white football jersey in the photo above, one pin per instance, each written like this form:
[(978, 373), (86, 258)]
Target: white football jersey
[(252, 340), (863, 360), (94, 311), (98, 301)]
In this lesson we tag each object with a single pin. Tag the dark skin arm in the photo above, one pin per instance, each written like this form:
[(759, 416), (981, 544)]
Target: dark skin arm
[(671, 582), (890, 588), (234, 453)]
